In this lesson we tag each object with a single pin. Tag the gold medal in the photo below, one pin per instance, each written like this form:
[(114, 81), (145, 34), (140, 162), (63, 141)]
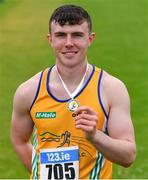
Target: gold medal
[(73, 105)]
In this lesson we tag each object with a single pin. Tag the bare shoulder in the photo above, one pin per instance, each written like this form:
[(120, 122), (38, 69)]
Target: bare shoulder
[(109, 80), (25, 93), (115, 90)]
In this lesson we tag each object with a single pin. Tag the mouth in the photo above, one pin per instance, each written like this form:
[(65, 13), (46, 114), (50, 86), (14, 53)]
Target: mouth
[(69, 52)]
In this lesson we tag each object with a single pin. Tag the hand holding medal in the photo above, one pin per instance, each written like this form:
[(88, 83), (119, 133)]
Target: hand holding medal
[(86, 120)]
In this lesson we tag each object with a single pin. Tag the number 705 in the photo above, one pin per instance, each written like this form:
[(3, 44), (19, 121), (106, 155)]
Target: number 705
[(60, 171)]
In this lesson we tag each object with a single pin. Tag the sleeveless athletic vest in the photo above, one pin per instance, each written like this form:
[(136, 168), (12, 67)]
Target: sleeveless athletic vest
[(54, 129)]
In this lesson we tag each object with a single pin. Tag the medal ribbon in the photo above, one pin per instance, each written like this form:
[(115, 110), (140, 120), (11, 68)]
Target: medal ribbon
[(72, 95)]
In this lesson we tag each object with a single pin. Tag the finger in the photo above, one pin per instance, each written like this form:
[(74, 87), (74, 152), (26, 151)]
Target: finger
[(87, 116), (85, 109), (85, 128), (86, 122)]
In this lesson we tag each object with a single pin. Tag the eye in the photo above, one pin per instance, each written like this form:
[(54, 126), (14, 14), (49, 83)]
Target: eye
[(60, 34), (77, 34)]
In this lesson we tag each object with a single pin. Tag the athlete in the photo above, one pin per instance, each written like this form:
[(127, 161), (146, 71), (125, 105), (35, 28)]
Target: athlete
[(72, 120)]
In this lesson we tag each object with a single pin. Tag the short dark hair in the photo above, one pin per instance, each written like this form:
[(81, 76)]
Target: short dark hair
[(70, 14)]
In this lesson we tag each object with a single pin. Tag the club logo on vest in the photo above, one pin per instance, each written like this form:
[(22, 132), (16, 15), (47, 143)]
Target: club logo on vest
[(41, 115)]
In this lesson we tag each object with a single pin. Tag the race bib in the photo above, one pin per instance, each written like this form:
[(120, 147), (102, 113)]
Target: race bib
[(59, 163)]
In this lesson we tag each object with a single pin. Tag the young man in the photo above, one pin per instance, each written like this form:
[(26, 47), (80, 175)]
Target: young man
[(78, 113)]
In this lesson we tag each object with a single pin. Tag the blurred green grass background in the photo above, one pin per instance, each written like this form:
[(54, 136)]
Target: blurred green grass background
[(120, 48)]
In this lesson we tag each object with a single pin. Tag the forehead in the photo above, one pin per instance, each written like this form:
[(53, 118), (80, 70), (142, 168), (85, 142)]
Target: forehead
[(67, 28)]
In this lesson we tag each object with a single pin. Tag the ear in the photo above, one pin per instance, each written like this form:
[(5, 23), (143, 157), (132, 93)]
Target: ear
[(49, 38), (91, 38)]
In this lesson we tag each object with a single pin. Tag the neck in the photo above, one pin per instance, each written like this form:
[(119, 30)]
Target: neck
[(72, 74), (73, 88)]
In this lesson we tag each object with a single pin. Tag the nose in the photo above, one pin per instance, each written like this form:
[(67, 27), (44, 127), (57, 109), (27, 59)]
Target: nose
[(69, 41)]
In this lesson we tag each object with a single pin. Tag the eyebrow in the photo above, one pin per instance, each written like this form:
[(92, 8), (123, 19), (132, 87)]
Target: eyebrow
[(78, 33), (59, 33), (73, 33)]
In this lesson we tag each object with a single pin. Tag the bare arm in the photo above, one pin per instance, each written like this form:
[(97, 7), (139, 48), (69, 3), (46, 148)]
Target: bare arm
[(119, 147), (22, 124), (21, 129)]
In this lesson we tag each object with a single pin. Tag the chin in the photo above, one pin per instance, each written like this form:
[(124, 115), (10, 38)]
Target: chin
[(69, 62)]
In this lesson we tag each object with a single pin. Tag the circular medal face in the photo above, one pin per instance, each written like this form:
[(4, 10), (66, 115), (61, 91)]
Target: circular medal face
[(73, 105)]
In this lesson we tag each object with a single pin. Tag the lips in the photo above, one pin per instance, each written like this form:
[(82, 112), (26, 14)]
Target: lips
[(69, 52)]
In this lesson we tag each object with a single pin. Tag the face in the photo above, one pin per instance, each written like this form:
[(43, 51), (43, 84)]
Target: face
[(70, 43)]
